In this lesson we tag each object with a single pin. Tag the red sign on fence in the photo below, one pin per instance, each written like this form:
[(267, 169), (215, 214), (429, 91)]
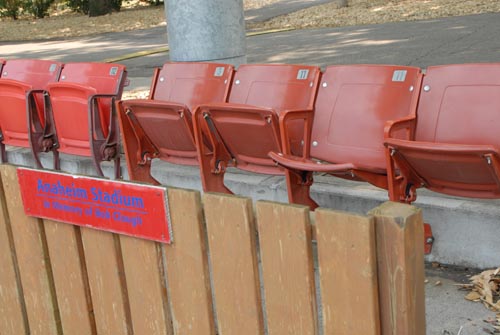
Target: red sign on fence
[(115, 206)]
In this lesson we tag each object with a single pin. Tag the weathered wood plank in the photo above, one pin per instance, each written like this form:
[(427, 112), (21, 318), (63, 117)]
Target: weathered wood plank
[(70, 278), (111, 310), (12, 320), (142, 262), (187, 266), (287, 268), (400, 252), (34, 265), (348, 273), (235, 275)]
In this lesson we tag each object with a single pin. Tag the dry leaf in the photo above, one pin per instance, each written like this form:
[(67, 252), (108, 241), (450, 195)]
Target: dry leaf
[(485, 287), (473, 296)]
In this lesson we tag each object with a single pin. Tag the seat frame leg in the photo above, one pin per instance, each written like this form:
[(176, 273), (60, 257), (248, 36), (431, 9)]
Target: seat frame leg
[(299, 189), (212, 181)]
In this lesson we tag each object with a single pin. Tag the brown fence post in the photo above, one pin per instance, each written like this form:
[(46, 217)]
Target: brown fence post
[(233, 253), (146, 289), (12, 320), (287, 268), (187, 266), (400, 253), (103, 259), (347, 273), (32, 257), (71, 282)]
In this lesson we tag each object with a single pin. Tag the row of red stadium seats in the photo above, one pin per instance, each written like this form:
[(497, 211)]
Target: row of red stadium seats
[(55, 107), (392, 126)]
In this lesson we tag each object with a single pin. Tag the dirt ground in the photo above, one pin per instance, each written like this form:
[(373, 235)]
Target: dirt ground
[(63, 23), (379, 11)]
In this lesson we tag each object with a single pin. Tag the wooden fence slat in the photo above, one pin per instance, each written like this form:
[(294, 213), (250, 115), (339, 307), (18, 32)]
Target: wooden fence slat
[(69, 278), (348, 273), (235, 275), (110, 306), (287, 268), (187, 266), (33, 266), (146, 291), (401, 276), (11, 310)]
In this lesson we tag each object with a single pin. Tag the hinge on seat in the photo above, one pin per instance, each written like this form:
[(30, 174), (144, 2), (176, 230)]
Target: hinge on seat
[(409, 195), (219, 167), (146, 157)]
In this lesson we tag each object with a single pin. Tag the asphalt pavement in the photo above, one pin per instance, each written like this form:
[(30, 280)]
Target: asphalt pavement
[(465, 39)]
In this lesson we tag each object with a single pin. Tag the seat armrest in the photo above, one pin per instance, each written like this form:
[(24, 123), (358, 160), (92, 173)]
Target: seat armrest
[(299, 114), (406, 123)]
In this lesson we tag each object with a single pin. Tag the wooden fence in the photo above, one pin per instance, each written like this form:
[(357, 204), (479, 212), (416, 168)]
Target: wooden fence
[(232, 269)]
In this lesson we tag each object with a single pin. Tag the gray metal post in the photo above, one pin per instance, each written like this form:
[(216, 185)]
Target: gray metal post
[(206, 30)]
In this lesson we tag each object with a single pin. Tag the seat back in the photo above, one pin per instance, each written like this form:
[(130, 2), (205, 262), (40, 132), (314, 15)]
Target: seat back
[(456, 148), (20, 76), (353, 104), (82, 118), (460, 104), (38, 73), (276, 87), (178, 88), (105, 78), (192, 83), (70, 102), (70, 108)]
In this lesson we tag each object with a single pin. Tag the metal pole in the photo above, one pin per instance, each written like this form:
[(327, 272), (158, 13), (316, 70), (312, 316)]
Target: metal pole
[(206, 30)]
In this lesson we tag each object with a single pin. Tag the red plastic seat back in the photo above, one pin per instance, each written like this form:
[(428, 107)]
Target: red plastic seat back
[(192, 84), (70, 112), (69, 100), (13, 121), (105, 78), (456, 140), (460, 104), (18, 77), (353, 104), (37, 73), (188, 84), (277, 86)]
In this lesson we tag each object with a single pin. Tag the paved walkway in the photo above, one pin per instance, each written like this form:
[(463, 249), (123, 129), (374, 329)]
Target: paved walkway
[(451, 40)]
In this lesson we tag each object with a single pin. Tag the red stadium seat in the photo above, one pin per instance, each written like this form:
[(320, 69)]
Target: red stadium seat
[(347, 138), (455, 149), (81, 119), (22, 90), (161, 126), (243, 131)]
